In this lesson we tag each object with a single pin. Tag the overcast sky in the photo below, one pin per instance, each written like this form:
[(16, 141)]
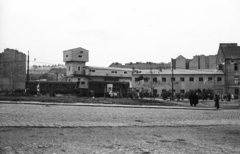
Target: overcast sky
[(118, 31)]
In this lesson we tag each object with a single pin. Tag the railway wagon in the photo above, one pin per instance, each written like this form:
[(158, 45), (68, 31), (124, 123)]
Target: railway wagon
[(52, 86), (96, 88), (103, 88)]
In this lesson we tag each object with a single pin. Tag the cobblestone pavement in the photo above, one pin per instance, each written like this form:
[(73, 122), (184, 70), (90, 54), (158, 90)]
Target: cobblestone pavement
[(15, 115)]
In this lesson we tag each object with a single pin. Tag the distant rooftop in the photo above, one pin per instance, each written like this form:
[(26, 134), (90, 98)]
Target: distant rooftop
[(46, 67)]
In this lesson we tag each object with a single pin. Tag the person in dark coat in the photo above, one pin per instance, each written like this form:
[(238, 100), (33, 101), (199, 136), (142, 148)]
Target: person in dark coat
[(229, 97), (195, 99), (216, 99), (190, 97)]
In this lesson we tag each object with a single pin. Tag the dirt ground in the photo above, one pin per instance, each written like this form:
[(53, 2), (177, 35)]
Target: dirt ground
[(121, 140)]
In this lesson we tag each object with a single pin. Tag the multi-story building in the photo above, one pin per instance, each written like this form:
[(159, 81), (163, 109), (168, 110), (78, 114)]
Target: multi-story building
[(75, 62), (12, 69), (184, 80), (198, 62), (228, 60)]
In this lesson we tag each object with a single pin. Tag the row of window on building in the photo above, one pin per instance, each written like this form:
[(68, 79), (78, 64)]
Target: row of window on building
[(236, 91), (78, 68), (235, 68), (182, 79), (92, 70), (111, 71), (79, 56)]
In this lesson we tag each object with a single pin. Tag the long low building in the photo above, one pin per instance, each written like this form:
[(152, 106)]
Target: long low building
[(159, 81)]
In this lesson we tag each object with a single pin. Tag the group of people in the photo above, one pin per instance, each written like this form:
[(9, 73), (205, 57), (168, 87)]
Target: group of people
[(193, 99), (218, 97)]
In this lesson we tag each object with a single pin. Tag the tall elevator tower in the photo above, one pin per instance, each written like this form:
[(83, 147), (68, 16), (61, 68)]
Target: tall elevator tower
[(75, 60)]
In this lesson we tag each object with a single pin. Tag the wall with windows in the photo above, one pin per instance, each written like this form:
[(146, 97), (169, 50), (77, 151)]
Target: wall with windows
[(228, 60), (182, 82), (233, 77), (232, 71), (75, 68), (78, 54), (108, 72), (74, 60)]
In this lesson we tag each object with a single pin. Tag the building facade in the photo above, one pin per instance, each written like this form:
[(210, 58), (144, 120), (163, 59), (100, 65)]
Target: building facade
[(77, 71), (228, 60), (12, 69), (197, 62), (183, 80)]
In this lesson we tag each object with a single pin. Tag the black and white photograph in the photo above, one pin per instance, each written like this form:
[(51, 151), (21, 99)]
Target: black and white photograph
[(119, 77)]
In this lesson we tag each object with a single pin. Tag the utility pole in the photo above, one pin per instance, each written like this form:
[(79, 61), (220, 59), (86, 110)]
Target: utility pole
[(172, 77), (27, 79), (151, 79), (225, 73)]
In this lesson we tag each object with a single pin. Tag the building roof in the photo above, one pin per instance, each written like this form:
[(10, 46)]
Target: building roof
[(180, 56), (181, 71), (108, 68), (231, 52), (80, 48)]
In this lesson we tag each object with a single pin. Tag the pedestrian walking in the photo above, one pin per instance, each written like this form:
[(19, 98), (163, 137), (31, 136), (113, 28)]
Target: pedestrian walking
[(38, 89), (195, 98), (229, 97), (190, 97), (216, 99)]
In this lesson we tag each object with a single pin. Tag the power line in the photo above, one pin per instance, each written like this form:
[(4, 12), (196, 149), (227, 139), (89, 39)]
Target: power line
[(43, 62), (16, 61)]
